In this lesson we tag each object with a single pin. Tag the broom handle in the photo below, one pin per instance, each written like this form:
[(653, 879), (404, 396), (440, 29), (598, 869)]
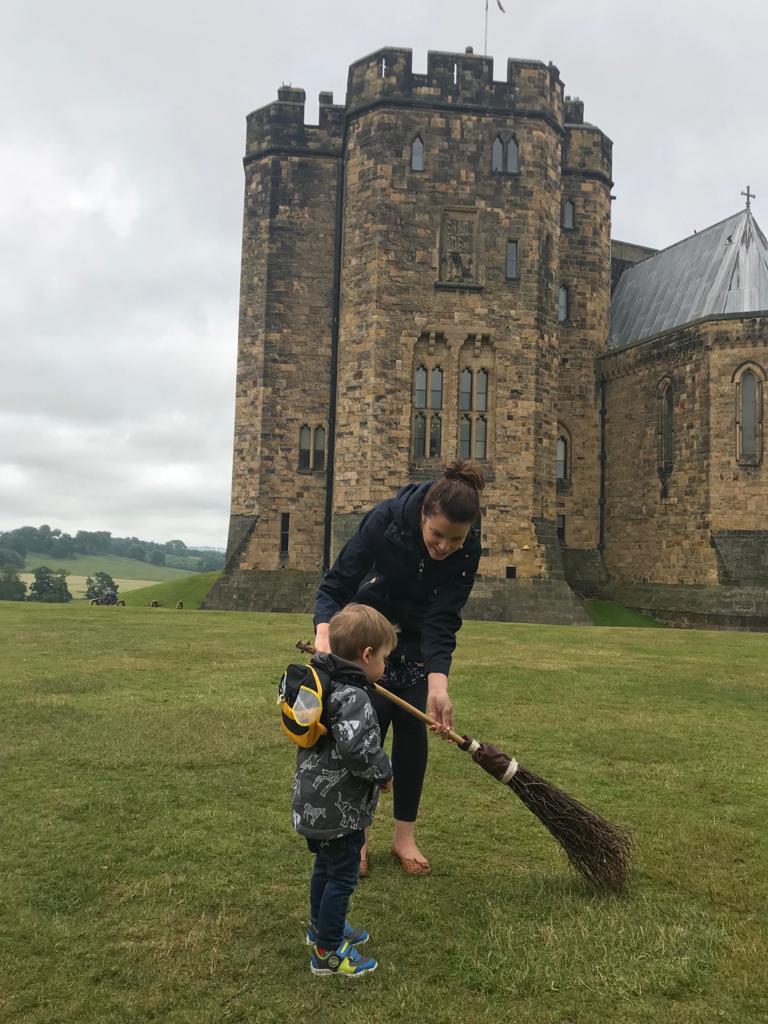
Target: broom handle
[(454, 737)]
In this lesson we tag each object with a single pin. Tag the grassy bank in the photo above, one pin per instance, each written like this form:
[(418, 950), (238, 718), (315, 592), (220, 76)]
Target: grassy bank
[(117, 566), (191, 590), (150, 872)]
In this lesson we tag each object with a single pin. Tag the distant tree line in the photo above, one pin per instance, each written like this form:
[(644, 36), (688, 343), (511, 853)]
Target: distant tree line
[(16, 544)]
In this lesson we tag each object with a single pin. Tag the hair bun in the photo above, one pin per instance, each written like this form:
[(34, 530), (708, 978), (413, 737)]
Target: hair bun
[(468, 472)]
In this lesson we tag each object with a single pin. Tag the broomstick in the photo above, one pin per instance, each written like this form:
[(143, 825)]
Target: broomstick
[(600, 851)]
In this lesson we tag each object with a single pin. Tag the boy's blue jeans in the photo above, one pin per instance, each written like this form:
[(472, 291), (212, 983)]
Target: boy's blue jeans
[(337, 869)]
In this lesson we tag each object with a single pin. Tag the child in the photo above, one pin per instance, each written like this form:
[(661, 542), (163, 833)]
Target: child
[(337, 785)]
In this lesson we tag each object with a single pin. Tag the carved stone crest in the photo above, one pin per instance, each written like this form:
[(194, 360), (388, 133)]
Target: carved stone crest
[(458, 247)]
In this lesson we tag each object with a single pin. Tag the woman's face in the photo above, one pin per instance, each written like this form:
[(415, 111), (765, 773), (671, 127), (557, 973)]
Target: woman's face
[(441, 536)]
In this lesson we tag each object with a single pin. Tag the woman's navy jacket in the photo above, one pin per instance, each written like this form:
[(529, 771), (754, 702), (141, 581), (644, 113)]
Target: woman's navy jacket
[(385, 565)]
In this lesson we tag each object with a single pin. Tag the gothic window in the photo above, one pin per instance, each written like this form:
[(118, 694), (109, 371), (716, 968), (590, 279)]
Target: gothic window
[(561, 456), (511, 261), (475, 399), (465, 390), (419, 435), (430, 357), (513, 157), (749, 415), (568, 210), (417, 154), (497, 156), (318, 450), (666, 427), (562, 305), (305, 448)]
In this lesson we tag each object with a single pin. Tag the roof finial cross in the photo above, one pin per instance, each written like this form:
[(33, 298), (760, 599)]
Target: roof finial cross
[(750, 196)]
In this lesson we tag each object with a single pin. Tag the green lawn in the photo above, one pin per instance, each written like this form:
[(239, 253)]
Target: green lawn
[(116, 565), (150, 873), (609, 613)]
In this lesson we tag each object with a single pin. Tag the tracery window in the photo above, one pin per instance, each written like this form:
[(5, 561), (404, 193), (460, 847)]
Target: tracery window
[(497, 155), (513, 157), (749, 381), (568, 212), (475, 398), (417, 154), (505, 159), (430, 357), (311, 448), (305, 448)]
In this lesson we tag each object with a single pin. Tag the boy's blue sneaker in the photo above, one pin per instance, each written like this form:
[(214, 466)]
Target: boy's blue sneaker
[(354, 936), (345, 961)]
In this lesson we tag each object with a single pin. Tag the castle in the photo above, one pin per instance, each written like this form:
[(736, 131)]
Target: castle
[(428, 272)]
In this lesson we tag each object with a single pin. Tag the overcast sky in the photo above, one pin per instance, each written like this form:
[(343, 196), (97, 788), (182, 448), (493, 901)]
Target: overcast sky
[(121, 135)]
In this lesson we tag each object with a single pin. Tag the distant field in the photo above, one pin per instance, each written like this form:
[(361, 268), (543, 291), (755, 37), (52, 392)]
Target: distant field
[(77, 584), (191, 590), (116, 565)]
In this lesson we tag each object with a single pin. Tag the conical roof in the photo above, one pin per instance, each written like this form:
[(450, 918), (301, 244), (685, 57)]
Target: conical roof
[(723, 269)]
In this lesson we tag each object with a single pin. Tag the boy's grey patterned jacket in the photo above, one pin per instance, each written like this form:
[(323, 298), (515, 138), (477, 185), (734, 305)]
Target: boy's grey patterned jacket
[(336, 787)]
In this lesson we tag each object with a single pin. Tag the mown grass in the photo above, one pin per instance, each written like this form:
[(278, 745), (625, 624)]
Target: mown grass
[(191, 590), (150, 872)]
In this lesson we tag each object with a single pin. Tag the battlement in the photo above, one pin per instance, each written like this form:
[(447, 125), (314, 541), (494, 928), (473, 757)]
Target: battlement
[(280, 125), (464, 79)]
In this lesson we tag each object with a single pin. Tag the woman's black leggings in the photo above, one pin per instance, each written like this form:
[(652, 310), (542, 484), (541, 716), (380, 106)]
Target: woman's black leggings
[(409, 737)]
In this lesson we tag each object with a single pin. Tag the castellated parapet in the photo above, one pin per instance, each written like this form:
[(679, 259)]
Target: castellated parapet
[(418, 227)]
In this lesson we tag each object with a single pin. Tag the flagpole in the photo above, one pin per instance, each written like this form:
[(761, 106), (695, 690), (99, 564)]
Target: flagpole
[(485, 47)]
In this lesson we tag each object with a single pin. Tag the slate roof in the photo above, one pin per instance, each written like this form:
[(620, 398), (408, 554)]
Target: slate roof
[(723, 269)]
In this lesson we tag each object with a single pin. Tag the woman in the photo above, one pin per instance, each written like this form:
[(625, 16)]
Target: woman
[(414, 558)]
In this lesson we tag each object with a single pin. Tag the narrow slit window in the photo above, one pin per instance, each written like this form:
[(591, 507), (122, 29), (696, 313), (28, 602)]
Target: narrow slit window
[(666, 434), (568, 215), (561, 528), (435, 436), (561, 456), (436, 397), (465, 437), (497, 156), (420, 388), (481, 391), (383, 67), (511, 261), (513, 157), (305, 442), (465, 391), (481, 437), (417, 154), (318, 454), (562, 305), (420, 435), (748, 415), (285, 529), (455, 73)]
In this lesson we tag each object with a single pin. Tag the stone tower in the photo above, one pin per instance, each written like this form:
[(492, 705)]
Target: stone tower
[(425, 273)]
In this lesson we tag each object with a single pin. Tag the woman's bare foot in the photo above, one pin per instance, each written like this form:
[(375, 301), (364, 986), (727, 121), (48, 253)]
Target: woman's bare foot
[(404, 848)]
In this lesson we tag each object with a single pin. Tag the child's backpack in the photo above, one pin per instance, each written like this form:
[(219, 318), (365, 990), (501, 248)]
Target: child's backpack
[(301, 696)]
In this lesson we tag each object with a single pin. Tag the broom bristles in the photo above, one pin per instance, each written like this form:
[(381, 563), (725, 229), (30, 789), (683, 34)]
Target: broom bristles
[(600, 851)]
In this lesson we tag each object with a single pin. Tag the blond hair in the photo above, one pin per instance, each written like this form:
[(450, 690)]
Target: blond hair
[(356, 627)]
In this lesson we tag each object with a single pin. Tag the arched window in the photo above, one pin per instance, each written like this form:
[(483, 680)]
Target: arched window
[(430, 354), (417, 154), (318, 450), (420, 388), (513, 157), (305, 448), (465, 437), (481, 391), (497, 156), (749, 415), (465, 391), (562, 305), (420, 435), (436, 398), (561, 456), (481, 437), (435, 436), (666, 427), (568, 210)]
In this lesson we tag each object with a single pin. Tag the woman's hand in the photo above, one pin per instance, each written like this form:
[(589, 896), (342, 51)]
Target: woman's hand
[(439, 706), (322, 643)]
